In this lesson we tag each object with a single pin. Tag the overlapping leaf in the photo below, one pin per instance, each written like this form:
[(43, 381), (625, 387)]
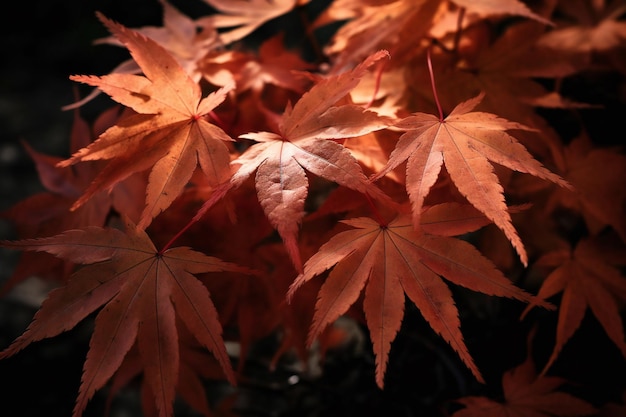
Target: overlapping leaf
[(48, 213), (465, 141), (527, 395), (141, 292), (169, 136), (393, 260), (305, 143), (501, 7), (399, 25), (586, 280), (187, 40), (374, 25), (597, 177), (148, 298), (245, 16), (184, 38)]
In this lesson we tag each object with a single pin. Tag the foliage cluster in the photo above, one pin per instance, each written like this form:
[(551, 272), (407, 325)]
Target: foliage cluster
[(404, 171)]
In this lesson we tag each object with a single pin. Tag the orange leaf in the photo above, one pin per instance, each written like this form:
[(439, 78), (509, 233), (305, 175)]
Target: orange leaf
[(274, 65), (527, 395), (169, 136), (303, 144), (500, 7), (373, 25), (245, 16), (141, 292), (587, 281), (389, 261), (465, 141), (597, 174)]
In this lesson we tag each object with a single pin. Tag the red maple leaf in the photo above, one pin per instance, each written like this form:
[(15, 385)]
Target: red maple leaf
[(465, 141), (587, 278), (392, 260), (184, 38), (169, 136), (527, 394), (596, 174), (305, 142), (188, 41), (196, 366), (48, 213), (141, 291), (245, 16)]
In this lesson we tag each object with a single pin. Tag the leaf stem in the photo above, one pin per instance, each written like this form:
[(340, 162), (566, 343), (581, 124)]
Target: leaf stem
[(377, 216), (379, 76), (217, 120), (432, 84), (218, 193), (176, 236)]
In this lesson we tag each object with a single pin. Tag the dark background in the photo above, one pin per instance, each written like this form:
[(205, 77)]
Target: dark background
[(43, 42)]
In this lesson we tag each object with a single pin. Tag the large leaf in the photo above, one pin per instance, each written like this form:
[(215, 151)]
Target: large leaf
[(391, 260), (305, 143), (169, 136), (141, 292), (465, 141)]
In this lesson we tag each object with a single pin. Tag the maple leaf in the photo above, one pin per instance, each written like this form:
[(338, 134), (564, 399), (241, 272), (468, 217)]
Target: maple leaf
[(465, 141), (373, 25), (304, 142), (596, 174), (588, 26), (507, 68), (141, 291), (196, 366), (245, 16), (587, 280), (398, 25), (500, 7), (185, 39), (169, 135), (274, 65), (394, 259), (527, 395), (247, 305)]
